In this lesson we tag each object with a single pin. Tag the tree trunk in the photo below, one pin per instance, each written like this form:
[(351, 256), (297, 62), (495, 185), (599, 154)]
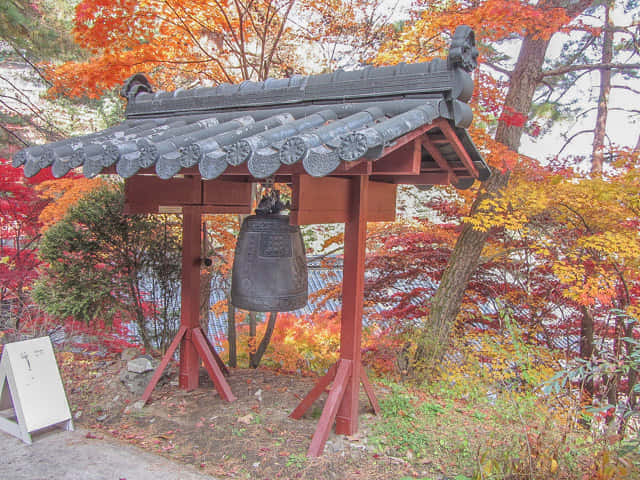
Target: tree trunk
[(231, 333), (597, 158), (264, 343), (586, 346), (206, 275), (433, 340), (252, 336)]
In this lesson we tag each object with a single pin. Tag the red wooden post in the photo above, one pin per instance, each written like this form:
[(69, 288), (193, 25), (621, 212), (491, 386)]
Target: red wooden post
[(355, 234), (341, 405), (190, 297)]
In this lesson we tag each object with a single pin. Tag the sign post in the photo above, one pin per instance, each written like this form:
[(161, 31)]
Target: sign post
[(32, 396)]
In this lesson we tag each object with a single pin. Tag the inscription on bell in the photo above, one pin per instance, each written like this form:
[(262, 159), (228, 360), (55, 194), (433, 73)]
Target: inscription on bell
[(275, 245), (269, 268)]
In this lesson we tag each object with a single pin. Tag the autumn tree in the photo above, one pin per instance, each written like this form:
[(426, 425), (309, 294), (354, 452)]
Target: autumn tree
[(505, 96), (30, 32), (176, 43), (179, 43), (20, 208)]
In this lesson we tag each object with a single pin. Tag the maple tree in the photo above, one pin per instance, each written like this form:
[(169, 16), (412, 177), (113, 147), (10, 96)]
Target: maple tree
[(504, 100), (20, 208), (178, 43)]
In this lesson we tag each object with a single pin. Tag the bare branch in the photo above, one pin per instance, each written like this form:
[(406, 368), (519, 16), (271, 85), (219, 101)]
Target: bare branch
[(572, 137), (595, 66), (31, 64), (499, 69), (14, 135), (624, 87)]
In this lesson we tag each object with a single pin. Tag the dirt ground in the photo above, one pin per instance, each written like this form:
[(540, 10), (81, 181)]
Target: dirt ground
[(252, 437)]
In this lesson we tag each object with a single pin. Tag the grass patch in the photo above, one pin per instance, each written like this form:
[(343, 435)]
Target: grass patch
[(481, 435)]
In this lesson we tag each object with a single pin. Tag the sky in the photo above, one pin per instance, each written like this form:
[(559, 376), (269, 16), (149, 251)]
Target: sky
[(623, 128)]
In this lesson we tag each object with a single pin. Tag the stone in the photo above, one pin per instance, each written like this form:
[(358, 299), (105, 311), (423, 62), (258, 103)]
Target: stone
[(129, 354), (336, 445), (139, 365), (136, 383), (134, 407)]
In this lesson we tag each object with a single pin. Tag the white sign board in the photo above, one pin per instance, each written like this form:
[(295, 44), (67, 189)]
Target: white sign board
[(31, 393)]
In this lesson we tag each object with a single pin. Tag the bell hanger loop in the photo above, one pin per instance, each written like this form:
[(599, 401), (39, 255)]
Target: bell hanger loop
[(268, 183), (270, 203)]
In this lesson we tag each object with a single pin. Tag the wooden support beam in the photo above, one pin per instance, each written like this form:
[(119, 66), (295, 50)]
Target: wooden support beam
[(355, 235), (402, 161), (315, 392), (190, 297), (342, 403), (163, 364), (331, 407), (208, 355), (194, 345), (438, 158), (429, 178), (368, 388), (455, 142), (327, 200), (150, 194), (151, 190)]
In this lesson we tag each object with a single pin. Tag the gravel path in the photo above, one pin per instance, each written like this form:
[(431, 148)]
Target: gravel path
[(62, 455)]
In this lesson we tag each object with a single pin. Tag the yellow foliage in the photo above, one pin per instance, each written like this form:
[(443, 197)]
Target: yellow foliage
[(484, 358)]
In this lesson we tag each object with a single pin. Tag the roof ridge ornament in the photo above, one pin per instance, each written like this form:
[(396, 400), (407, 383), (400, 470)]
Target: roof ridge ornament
[(134, 85), (463, 52)]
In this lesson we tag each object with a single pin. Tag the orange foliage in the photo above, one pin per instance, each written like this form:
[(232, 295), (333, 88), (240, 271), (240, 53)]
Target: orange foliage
[(64, 193), (175, 42), (179, 42), (307, 344), (311, 344), (494, 22)]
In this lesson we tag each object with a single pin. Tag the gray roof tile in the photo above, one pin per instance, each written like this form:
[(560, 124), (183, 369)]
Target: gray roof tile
[(319, 121)]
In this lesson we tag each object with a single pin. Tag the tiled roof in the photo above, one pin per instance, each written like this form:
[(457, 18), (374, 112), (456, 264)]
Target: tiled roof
[(318, 122)]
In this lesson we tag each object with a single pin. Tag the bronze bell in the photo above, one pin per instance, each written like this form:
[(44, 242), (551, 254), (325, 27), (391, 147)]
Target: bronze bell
[(270, 267)]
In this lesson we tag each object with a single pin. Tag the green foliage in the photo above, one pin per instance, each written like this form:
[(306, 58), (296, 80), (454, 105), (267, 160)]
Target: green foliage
[(410, 427), (98, 258), (297, 460), (605, 372), (40, 30)]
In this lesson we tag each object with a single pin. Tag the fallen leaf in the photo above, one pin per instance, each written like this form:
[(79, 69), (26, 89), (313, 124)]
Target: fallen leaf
[(247, 419)]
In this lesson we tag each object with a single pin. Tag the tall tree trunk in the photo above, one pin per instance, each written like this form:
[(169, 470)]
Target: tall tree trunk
[(597, 158), (433, 339), (231, 333), (252, 335), (586, 346), (445, 305), (206, 275), (254, 359)]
